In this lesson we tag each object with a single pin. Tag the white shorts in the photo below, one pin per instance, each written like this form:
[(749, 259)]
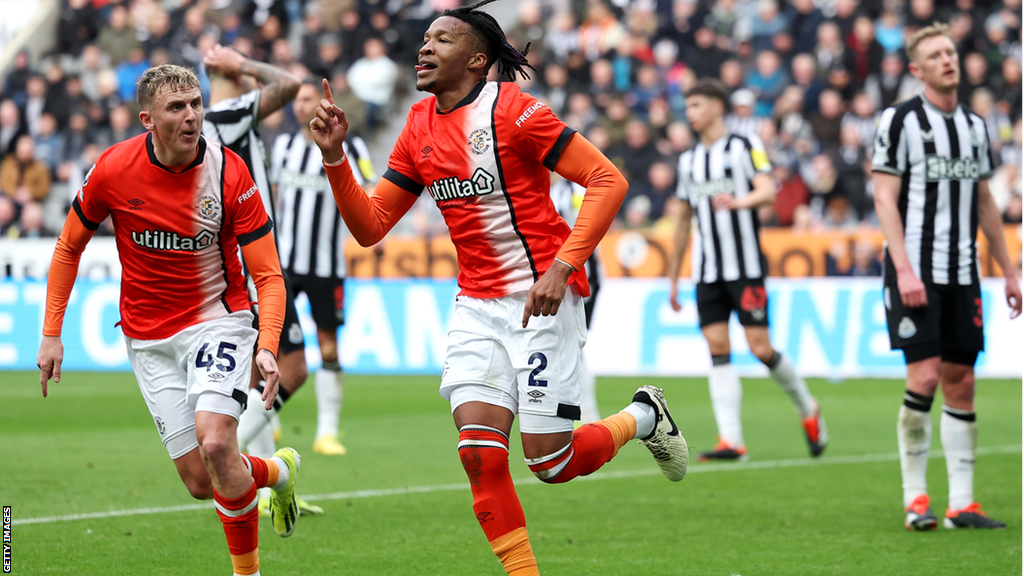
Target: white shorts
[(534, 372), (203, 368)]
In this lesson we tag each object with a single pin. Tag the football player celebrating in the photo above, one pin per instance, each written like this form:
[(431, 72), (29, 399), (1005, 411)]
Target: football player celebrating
[(182, 206), (483, 151)]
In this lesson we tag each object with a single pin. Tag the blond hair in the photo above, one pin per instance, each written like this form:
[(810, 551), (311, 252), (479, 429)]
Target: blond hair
[(936, 29), (168, 77)]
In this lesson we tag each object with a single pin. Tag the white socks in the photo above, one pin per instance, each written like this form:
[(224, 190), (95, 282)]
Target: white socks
[(914, 436), (959, 434), (283, 473), (253, 421), (328, 402), (588, 394), (646, 418), (726, 399), (793, 385)]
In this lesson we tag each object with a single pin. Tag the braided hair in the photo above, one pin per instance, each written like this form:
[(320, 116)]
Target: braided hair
[(511, 62)]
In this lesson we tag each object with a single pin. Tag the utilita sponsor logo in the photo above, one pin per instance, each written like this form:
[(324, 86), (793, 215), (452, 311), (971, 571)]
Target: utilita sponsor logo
[(162, 240), (481, 183)]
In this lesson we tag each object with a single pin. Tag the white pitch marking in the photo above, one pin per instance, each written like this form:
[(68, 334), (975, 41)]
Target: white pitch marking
[(698, 469)]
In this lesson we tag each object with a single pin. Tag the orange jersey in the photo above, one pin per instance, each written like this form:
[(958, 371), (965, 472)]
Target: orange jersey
[(178, 234), (487, 164)]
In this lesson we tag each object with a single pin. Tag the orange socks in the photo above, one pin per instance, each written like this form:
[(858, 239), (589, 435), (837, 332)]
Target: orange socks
[(265, 471), (240, 517), (592, 446), (484, 454)]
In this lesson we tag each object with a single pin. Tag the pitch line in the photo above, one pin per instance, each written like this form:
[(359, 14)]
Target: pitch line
[(697, 469)]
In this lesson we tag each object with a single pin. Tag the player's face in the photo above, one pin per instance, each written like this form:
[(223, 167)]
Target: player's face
[(306, 102), (176, 119), (700, 110), (449, 49), (937, 64)]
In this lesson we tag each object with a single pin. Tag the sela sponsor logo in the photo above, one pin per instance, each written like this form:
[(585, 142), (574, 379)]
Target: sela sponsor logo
[(480, 141), (941, 168), (248, 194), (528, 112), (316, 182), (163, 240), (712, 187), (452, 188)]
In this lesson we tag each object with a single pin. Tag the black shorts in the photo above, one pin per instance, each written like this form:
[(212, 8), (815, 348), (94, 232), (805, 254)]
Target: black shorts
[(291, 333), (717, 300), (326, 299), (950, 326)]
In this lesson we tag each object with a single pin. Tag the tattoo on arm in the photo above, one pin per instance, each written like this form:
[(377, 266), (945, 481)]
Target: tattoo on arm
[(279, 86)]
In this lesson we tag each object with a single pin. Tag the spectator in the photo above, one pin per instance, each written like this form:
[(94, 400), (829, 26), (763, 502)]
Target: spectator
[(91, 65), (79, 23), (354, 34), (767, 81), (309, 45), (741, 120), (77, 136), (831, 53), (1000, 130), (398, 46), (15, 85), (862, 117), (159, 27), (646, 90), (129, 72), (659, 185), (75, 100), (638, 151), (372, 79), (892, 85), (121, 128), (22, 177), (615, 119), (805, 75), (556, 93), (866, 52), (791, 192), (35, 104), (529, 29), (30, 224), (118, 38), (328, 56), (863, 262), (826, 123), (600, 32), (974, 75), (889, 31), (1011, 91), (602, 83), (767, 24), (581, 114), (562, 38), (705, 58), (50, 143), (11, 127), (921, 14), (731, 74), (185, 40), (847, 12), (804, 19)]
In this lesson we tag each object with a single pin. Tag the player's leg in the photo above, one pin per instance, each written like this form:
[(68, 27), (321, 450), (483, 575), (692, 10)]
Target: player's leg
[(785, 375), (726, 394), (327, 302)]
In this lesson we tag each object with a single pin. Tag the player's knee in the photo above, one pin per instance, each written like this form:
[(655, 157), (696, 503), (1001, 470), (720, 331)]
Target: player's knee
[(215, 448), (200, 489), (764, 352), (719, 347)]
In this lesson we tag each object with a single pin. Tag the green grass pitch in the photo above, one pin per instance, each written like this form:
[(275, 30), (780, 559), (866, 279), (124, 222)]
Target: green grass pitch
[(398, 503)]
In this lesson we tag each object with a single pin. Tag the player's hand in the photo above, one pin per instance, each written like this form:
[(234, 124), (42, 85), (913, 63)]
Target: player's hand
[(51, 354), (912, 292), (724, 202), (223, 60), (1013, 298), (546, 295), (329, 126), (673, 295), (267, 364)]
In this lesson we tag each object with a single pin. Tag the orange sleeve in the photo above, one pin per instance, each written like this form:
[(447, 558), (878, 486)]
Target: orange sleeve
[(63, 271), (369, 217), (261, 258), (585, 165)]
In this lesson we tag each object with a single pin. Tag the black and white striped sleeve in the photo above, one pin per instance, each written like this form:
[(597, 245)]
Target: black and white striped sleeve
[(683, 181), (890, 144), (756, 159), (232, 119), (986, 162)]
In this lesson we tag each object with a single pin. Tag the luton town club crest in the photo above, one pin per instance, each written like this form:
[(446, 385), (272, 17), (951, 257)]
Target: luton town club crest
[(479, 141), (208, 208)]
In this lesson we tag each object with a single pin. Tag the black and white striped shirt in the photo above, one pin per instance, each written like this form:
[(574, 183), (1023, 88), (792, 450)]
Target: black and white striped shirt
[(232, 123), (311, 231), (727, 247), (940, 158)]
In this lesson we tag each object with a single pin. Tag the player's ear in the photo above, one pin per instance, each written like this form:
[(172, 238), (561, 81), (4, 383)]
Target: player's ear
[(477, 62), (147, 121), (914, 69)]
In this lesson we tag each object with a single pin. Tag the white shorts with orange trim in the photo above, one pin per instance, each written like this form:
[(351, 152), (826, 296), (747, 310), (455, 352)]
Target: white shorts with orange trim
[(532, 371), (203, 368)]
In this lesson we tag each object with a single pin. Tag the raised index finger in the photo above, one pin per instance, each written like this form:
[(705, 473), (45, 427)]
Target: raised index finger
[(327, 92)]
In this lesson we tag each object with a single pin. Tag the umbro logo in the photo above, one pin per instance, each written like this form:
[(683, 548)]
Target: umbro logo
[(136, 203), (426, 151), (535, 394)]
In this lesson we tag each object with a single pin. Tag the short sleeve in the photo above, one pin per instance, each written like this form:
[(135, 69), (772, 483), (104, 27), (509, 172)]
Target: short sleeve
[(756, 157), (401, 169), (890, 145), (359, 159), (91, 201), (243, 203), (986, 162), (231, 120), (683, 181), (536, 130)]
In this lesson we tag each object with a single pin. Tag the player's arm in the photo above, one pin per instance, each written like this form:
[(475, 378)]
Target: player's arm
[(991, 224), (680, 241), (60, 280), (758, 169), (278, 86)]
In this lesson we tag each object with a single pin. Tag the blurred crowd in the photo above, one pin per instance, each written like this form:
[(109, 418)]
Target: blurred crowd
[(809, 77)]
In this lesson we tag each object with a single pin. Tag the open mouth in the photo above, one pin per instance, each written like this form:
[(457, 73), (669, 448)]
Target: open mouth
[(425, 67), (188, 134)]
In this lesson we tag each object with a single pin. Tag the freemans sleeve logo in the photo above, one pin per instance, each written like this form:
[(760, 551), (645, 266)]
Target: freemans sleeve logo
[(248, 194), (528, 112)]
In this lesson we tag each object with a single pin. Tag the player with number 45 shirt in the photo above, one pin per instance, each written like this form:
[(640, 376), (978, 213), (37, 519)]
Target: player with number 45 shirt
[(484, 152), (181, 207)]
